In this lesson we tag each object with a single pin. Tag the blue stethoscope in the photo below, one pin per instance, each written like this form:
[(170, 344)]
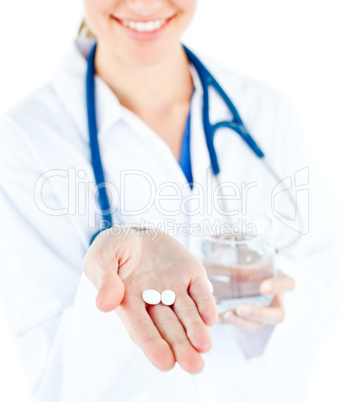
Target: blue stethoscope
[(207, 81)]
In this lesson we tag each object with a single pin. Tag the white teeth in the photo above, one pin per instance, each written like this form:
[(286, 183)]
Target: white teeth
[(144, 26)]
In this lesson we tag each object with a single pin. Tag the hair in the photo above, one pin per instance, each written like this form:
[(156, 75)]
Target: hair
[(84, 31)]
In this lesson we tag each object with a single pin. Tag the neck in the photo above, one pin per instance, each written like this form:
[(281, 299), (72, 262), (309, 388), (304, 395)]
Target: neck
[(156, 87)]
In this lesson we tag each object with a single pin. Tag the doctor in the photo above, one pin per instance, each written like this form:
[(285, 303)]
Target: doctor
[(140, 57), (82, 330)]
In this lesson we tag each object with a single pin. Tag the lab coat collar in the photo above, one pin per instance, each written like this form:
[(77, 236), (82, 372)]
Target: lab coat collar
[(69, 83)]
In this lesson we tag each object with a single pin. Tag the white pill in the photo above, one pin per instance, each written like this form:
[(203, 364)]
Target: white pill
[(168, 297), (151, 296)]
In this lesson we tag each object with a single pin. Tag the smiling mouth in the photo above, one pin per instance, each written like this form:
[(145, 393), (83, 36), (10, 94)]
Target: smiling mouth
[(143, 26)]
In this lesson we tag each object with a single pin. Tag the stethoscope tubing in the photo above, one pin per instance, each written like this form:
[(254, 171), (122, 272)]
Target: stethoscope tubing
[(236, 124)]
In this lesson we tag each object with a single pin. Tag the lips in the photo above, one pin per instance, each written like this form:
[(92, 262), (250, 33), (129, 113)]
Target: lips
[(148, 26), (143, 30)]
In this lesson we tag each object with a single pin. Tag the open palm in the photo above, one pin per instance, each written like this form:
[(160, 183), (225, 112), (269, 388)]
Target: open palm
[(122, 268)]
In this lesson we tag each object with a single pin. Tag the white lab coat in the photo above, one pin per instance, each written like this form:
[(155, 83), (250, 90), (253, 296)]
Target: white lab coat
[(71, 351)]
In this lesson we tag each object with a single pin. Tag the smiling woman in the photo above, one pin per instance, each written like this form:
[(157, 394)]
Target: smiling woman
[(146, 68), (127, 101), (139, 32)]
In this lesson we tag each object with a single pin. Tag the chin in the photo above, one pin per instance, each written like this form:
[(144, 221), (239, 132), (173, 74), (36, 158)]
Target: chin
[(145, 54)]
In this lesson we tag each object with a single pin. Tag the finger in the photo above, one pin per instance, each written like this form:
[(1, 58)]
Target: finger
[(110, 292), (144, 334), (173, 332), (231, 317), (101, 268), (187, 313), (199, 291), (272, 315), (283, 283)]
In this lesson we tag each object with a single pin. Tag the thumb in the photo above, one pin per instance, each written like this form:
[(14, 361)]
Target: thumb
[(102, 269), (110, 292)]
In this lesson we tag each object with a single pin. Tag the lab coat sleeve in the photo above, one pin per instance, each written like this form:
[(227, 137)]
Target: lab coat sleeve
[(316, 249), (313, 261), (69, 350)]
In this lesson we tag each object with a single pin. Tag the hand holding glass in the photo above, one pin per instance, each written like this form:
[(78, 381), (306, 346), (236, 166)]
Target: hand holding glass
[(237, 263)]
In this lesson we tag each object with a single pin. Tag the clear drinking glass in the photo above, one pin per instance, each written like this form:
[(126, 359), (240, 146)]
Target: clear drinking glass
[(238, 257)]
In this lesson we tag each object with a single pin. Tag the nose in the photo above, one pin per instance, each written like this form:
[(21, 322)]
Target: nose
[(145, 8)]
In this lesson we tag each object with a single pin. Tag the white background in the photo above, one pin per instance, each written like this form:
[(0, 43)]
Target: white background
[(293, 45)]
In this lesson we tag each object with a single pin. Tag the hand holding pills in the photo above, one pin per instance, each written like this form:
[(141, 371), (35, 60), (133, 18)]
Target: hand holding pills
[(160, 292)]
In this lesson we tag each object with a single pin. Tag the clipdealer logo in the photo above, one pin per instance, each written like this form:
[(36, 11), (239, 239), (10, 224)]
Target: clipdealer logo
[(294, 188), (78, 195), (73, 193)]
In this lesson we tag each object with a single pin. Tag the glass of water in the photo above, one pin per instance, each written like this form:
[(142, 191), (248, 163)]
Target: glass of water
[(238, 257)]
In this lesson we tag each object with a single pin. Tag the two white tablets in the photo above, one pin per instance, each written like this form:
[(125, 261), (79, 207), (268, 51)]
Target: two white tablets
[(153, 297), (167, 297)]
